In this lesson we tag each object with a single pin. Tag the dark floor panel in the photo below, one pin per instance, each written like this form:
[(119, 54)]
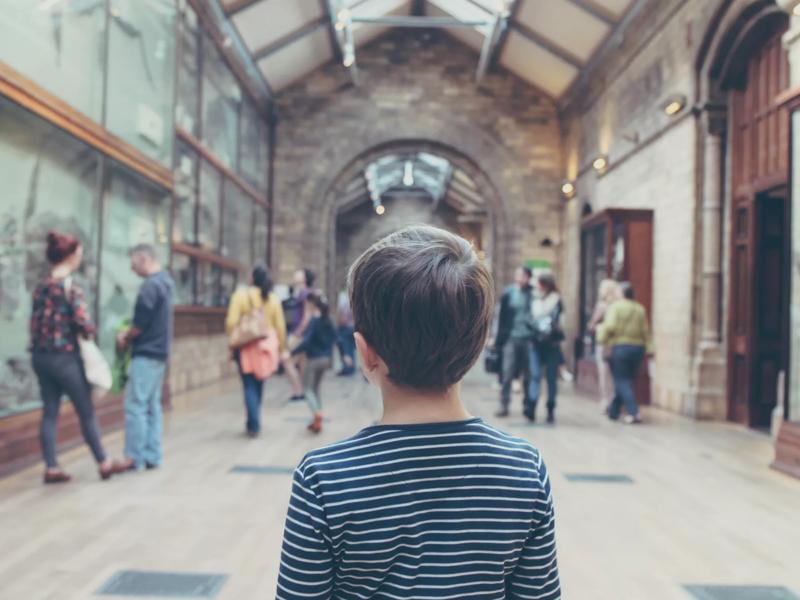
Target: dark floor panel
[(163, 584), (739, 592), (262, 469), (598, 477)]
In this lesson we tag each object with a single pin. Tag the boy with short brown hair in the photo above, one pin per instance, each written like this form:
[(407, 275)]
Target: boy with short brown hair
[(432, 502)]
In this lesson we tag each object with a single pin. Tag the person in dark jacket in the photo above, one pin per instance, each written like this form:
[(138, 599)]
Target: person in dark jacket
[(514, 335), (317, 344)]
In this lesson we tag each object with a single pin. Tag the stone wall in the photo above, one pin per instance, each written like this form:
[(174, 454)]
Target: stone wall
[(655, 164), (416, 86)]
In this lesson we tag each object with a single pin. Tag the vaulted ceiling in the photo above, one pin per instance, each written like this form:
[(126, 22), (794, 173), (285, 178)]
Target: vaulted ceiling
[(546, 42)]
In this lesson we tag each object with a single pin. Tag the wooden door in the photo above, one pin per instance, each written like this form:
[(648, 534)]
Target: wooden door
[(759, 170)]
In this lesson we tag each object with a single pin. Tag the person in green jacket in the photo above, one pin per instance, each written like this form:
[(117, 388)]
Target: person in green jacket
[(625, 330)]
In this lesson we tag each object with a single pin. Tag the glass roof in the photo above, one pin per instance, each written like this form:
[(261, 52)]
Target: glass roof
[(412, 172)]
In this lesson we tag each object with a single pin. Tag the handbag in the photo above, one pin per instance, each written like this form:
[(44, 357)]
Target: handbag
[(250, 328), (95, 366), (492, 361), (546, 329)]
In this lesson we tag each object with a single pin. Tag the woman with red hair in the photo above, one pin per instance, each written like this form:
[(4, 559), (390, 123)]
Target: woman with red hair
[(60, 316)]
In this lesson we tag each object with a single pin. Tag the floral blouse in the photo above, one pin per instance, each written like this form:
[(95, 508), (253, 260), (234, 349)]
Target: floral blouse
[(58, 317)]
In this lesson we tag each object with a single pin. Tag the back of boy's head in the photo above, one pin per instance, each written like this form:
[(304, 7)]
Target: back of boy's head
[(423, 300)]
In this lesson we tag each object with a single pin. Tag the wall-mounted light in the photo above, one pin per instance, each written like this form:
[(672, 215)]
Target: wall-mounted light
[(343, 15), (227, 42), (600, 163), (568, 188), (380, 209), (349, 59), (674, 104), (340, 25)]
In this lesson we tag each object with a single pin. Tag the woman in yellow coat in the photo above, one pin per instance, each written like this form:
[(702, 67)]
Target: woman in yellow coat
[(257, 295)]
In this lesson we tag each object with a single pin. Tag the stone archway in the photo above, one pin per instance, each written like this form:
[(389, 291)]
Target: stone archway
[(328, 205), (720, 60)]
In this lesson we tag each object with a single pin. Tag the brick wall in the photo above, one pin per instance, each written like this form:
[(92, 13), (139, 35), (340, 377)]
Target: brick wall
[(416, 86)]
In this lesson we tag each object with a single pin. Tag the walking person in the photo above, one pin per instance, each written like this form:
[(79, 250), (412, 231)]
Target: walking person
[(607, 294), (344, 336), (626, 332), (257, 360), (514, 335), (59, 316), (545, 350), (296, 323), (150, 340), (317, 346)]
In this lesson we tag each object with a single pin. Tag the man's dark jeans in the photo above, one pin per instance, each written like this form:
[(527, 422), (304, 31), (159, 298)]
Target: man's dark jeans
[(515, 362), (625, 361)]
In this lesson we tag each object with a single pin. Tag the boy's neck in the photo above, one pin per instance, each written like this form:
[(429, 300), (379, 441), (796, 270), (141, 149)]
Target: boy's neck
[(402, 406)]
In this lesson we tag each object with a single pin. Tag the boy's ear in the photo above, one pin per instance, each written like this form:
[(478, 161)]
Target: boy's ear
[(370, 360)]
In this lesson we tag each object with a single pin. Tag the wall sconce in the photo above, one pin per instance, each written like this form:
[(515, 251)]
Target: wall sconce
[(600, 164), (568, 188), (674, 104), (380, 209)]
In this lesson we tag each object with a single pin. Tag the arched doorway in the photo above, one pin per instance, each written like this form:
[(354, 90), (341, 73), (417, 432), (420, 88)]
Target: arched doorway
[(411, 181), (747, 70)]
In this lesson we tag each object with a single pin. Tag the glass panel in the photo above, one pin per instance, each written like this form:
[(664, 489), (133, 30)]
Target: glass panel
[(253, 149), (237, 236), (208, 285), (187, 108), (208, 226), (227, 285), (221, 98), (58, 45), (618, 252), (141, 75), (184, 273), (183, 226), (136, 212), (260, 235), (49, 182)]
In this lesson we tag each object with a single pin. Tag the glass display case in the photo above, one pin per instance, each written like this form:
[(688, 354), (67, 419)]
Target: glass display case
[(615, 244)]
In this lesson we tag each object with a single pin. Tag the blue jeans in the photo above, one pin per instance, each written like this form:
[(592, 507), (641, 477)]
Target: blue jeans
[(143, 411), (624, 362), (253, 390), (544, 360), (347, 348)]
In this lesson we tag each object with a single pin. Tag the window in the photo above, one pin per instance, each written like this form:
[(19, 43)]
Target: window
[(183, 225), (237, 221), (221, 98), (253, 149), (260, 235), (58, 45), (49, 182), (187, 109), (208, 225), (136, 212), (184, 272), (141, 67)]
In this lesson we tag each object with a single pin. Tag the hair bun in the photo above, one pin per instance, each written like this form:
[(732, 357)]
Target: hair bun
[(60, 246)]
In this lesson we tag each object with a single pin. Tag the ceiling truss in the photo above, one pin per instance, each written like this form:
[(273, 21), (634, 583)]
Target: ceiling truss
[(499, 29)]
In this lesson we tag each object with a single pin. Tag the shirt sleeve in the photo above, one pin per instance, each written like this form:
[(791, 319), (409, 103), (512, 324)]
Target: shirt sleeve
[(536, 573), (308, 335), (145, 305), (307, 563), (80, 314), (606, 329)]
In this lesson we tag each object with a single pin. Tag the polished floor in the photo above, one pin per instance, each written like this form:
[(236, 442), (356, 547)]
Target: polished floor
[(685, 503)]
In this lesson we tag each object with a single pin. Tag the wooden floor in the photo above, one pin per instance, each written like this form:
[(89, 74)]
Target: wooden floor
[(703, 507)]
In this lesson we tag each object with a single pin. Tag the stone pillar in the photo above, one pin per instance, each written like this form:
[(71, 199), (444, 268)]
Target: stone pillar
[(712, 233), (707, 396)]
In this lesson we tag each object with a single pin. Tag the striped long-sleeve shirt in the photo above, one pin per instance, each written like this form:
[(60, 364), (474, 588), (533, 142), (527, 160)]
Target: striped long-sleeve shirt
[(437, 511)]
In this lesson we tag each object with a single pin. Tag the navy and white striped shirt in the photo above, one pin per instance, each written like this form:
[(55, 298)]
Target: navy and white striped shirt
[(436, 511)]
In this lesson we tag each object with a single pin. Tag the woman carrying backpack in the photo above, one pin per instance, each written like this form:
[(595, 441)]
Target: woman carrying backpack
[(257, 331), (545, 351)]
